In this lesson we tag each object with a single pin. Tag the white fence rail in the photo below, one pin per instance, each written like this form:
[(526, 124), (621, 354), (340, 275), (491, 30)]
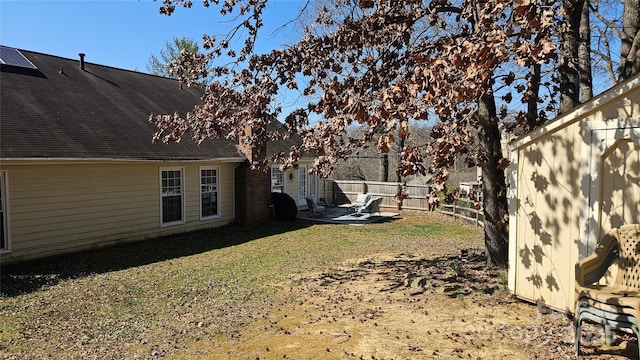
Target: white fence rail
[(464, 209)]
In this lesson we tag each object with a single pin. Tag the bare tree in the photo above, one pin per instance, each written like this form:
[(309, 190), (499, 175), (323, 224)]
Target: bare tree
[(605, 32), (368, 163), (616, 23)]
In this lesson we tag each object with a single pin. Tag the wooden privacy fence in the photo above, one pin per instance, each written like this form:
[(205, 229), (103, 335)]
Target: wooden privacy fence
[(345, 191)]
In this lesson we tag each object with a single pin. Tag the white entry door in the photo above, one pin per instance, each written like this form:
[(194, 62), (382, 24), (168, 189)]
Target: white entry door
[(302, 185)]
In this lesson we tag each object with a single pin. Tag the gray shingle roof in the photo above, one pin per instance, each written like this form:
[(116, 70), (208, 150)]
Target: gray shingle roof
[(97, 113)]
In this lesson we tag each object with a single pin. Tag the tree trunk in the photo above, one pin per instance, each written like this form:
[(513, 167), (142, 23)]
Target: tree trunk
[(584, 55), (630, 42), (400, 149), (384, 167), (569, 76), (493, 184), (532, 97)]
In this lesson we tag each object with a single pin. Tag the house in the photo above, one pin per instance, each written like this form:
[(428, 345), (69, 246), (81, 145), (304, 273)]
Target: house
[(570, 181), (78, 168), (471, 189), (299, 184)]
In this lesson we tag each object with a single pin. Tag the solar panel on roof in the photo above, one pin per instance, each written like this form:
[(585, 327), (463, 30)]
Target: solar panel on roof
[(11, 56)]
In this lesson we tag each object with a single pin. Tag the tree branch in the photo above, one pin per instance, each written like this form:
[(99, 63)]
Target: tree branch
[(606, 57), (608, 23)]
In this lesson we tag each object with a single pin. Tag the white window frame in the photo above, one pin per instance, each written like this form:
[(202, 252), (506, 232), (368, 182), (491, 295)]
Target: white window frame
[(182, 196), (275, 170), (217, 191), (312, 181), (302, 185), (4, 211)]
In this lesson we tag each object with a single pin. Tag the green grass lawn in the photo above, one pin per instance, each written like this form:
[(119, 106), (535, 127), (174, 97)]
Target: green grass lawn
[(156, 297)]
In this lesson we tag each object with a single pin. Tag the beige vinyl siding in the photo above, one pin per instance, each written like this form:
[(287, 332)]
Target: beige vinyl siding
[(62, 207), (547, 205)]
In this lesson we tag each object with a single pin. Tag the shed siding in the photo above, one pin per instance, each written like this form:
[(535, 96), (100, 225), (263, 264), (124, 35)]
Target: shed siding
[(547, 215), (547, 207), (57, 208), (620, 186)]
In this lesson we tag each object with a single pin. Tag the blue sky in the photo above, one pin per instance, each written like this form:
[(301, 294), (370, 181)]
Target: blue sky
[(125, 33), (121, 33)]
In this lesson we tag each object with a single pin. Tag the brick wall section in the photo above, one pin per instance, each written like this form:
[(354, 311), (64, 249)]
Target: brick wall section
[(253, 195), (253, 187)]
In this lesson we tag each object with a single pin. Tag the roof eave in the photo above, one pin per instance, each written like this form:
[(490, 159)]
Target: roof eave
[(118, 160), (575, 114)]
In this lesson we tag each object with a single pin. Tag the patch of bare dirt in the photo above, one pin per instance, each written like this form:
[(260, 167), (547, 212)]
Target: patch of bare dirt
[(406, 307)]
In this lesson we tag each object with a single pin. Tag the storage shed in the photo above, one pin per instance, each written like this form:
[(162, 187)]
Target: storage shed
[(570, 181)]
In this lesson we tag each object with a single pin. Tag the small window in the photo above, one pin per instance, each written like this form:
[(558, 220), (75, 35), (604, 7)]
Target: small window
[(208, 193), (277, 180), (172, 201)]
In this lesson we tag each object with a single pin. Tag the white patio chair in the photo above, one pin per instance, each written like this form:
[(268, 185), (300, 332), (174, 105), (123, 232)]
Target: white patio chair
[(315, 208)]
